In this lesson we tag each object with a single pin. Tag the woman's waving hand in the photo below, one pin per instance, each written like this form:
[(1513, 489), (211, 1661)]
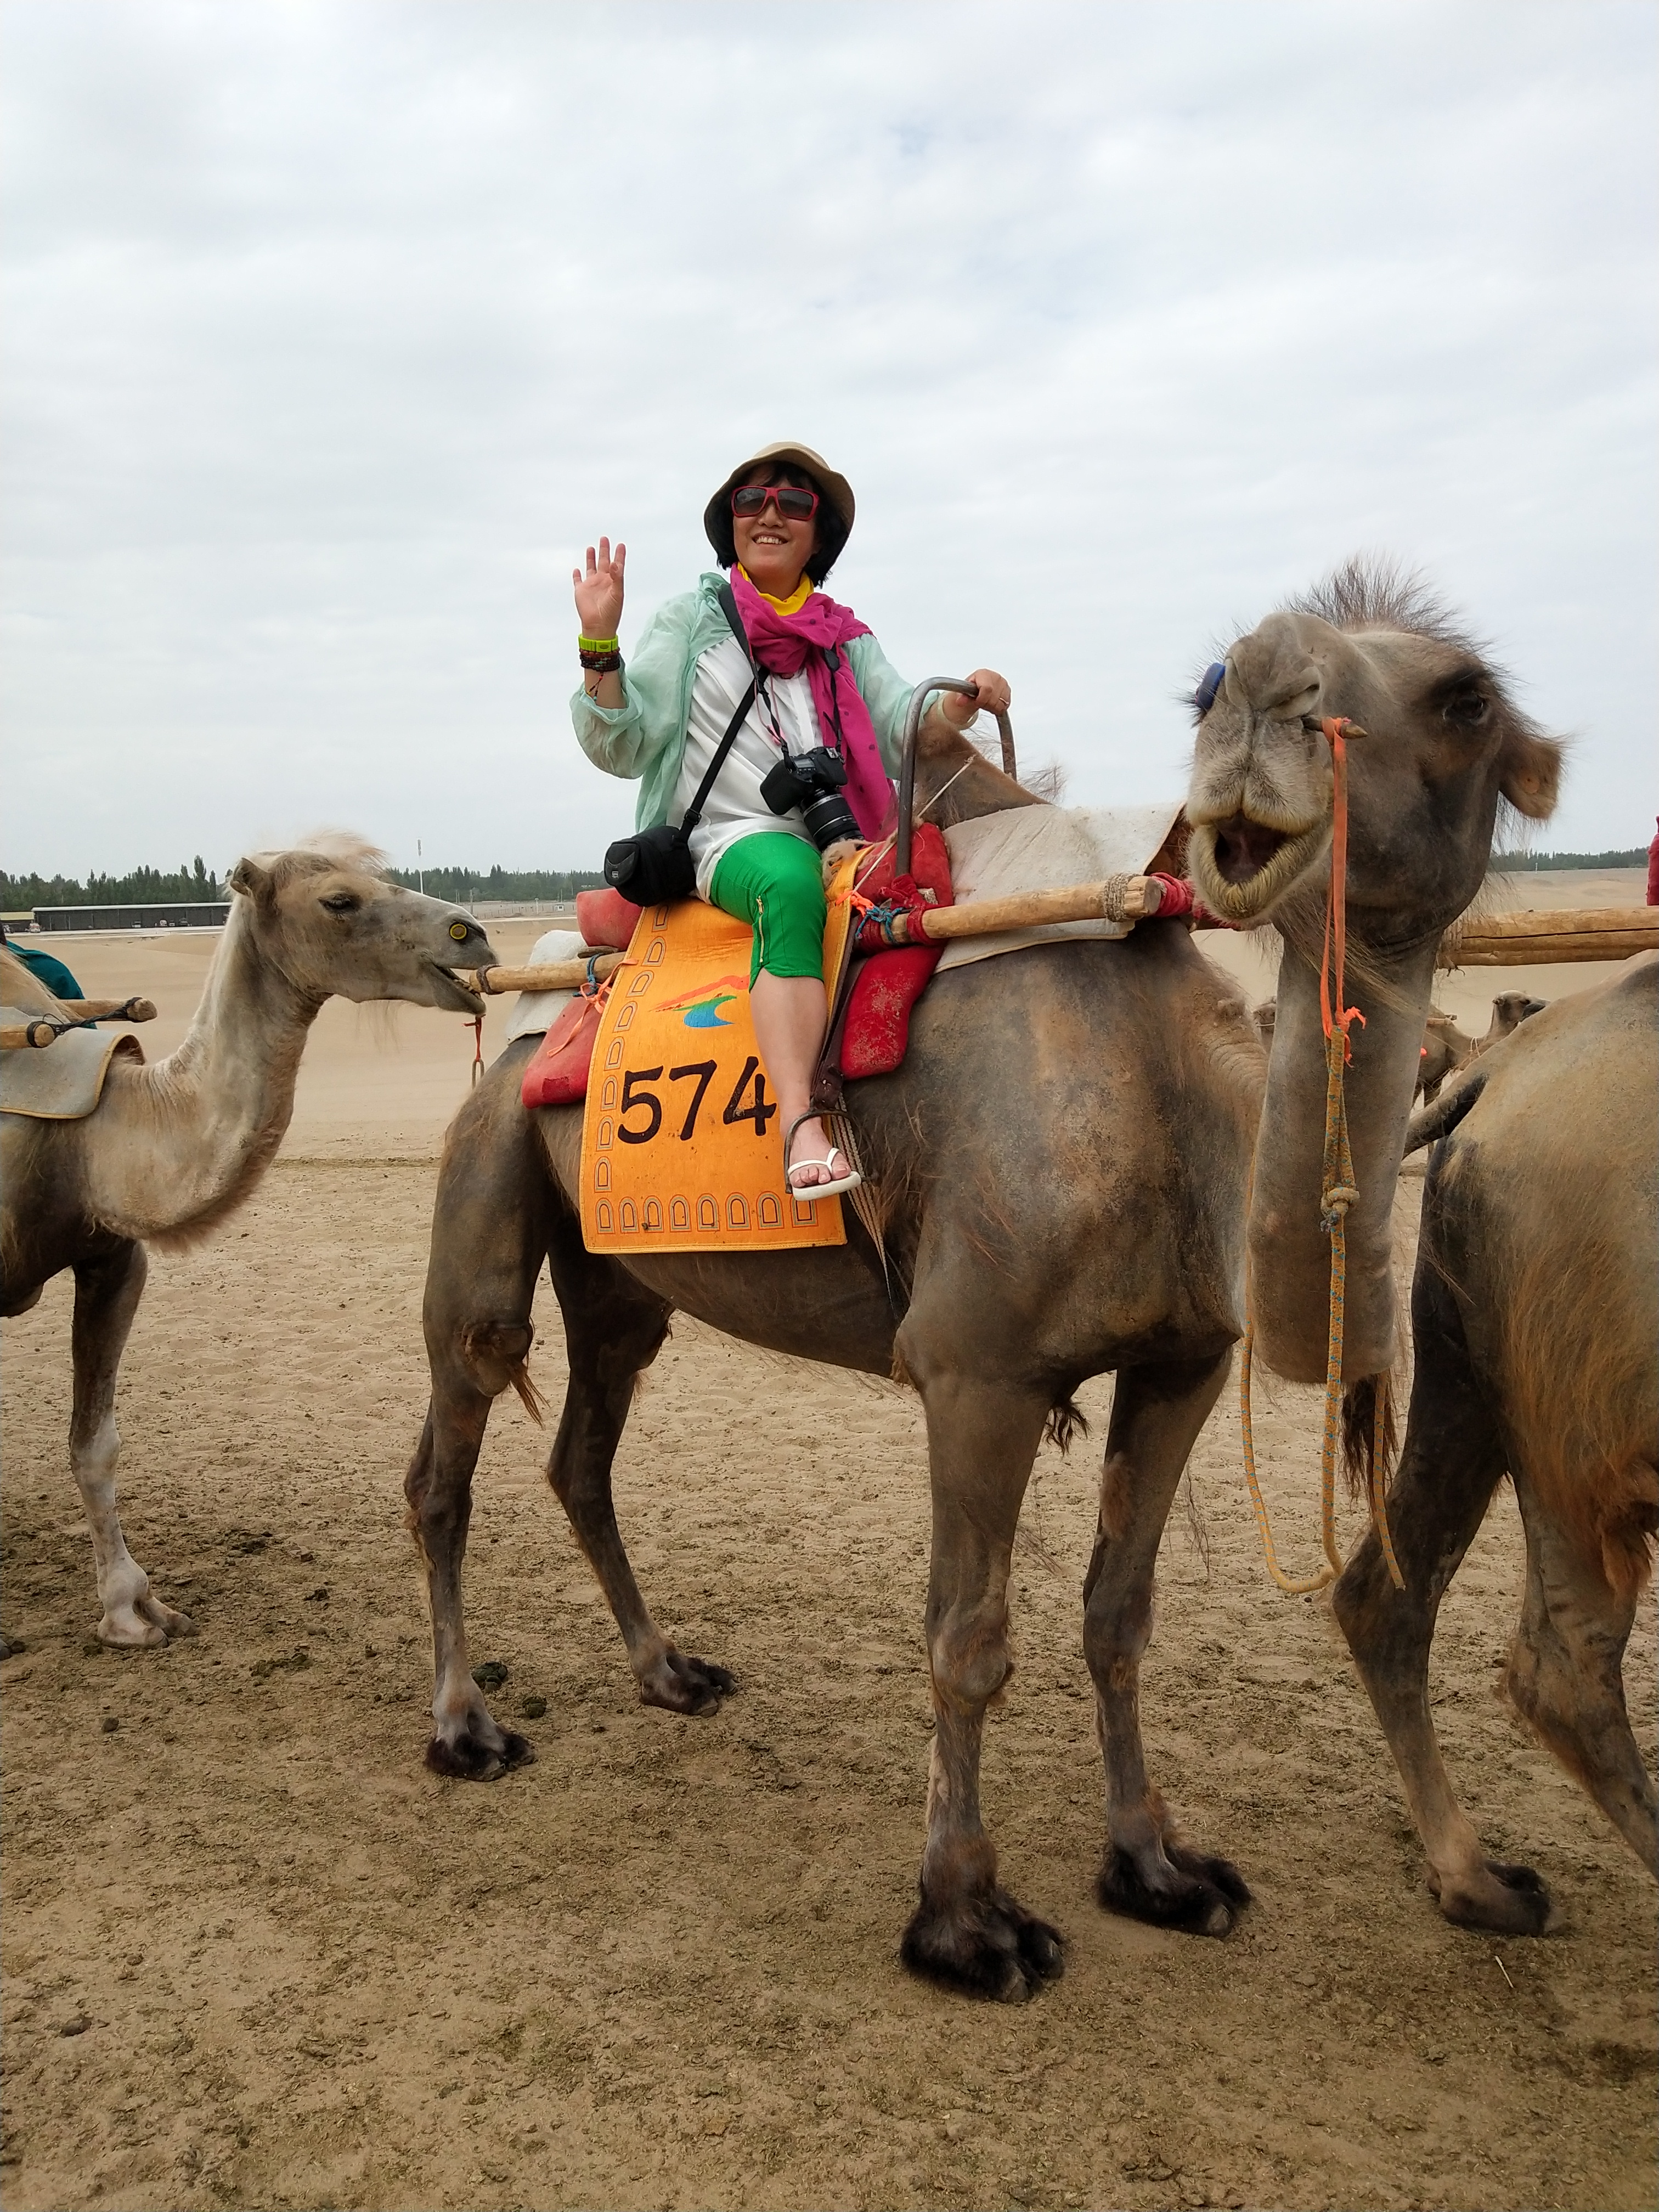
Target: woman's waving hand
[(600, 591)]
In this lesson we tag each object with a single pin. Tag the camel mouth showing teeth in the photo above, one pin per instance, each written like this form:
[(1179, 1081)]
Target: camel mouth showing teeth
[(1242, 868), (1242, 847), (471, 999)]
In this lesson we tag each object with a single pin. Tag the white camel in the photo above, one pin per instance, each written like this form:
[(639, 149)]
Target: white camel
[(170, 1150)]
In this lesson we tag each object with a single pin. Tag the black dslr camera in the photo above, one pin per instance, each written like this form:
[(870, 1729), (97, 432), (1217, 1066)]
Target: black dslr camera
[(813, 781)]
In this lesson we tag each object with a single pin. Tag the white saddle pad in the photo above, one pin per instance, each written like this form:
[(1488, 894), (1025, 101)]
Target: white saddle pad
[(536, 1011), (62, 1081), (1040, 848)]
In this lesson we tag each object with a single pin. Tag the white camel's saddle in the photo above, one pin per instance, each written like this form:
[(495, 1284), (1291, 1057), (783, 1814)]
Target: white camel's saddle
[(62, 1081)]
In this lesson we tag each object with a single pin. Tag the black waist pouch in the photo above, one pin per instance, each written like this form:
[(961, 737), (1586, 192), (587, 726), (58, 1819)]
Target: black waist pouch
[(654, 867)]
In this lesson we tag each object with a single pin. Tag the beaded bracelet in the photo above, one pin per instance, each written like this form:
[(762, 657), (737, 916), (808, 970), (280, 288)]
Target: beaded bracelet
[(599, 654)]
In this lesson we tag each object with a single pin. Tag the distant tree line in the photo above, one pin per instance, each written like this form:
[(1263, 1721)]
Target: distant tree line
[(155, 887), (143, 887), (466, 884), (1633, 856)]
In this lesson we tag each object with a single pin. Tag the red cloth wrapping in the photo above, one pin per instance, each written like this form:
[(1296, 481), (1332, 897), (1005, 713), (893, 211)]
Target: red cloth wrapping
[(887, 987), (1653, 873)]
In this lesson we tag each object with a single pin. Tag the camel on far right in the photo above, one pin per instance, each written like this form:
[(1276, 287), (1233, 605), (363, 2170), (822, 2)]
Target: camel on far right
[(1535, 1325)]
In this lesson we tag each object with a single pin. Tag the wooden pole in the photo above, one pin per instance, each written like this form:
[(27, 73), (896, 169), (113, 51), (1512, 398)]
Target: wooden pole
[(561, 976), (1545, 937), (13, 1035), (1497, 940), (109, 1009)]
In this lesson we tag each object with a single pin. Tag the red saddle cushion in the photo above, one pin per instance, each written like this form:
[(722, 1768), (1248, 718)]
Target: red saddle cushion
[(607, 918), (885, 990)]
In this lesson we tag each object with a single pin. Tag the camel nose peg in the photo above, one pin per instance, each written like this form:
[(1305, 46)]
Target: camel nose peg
[(1209, 684)]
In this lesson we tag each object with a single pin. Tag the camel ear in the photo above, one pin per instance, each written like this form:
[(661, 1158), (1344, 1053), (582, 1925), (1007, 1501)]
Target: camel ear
[(253, 882), (1531, 778)]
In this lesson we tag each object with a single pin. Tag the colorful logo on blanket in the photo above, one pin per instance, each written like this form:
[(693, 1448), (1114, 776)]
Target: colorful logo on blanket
[(701, 1009)]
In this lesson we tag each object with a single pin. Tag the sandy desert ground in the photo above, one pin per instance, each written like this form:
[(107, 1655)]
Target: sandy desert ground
[(255, 1955)]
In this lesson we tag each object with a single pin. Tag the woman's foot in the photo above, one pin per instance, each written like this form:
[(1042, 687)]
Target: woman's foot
[(813, 1167)]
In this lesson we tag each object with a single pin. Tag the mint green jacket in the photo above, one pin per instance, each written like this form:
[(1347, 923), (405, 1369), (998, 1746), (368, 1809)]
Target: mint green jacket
[(645, 737)]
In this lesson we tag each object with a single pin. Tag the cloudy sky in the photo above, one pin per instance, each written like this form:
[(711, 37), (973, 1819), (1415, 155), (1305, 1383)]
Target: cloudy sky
[(334, 330)]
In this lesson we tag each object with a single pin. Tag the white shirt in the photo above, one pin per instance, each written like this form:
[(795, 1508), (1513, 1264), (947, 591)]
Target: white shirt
[(734, 808)]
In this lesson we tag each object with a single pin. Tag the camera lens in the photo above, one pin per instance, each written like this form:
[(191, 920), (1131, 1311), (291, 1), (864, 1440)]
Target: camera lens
[(830, 819)]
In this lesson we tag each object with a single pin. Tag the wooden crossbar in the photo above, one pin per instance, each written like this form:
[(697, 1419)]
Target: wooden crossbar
[(1495, 940)]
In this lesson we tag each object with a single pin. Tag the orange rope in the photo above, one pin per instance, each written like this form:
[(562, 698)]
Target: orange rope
[(1337, 1194)]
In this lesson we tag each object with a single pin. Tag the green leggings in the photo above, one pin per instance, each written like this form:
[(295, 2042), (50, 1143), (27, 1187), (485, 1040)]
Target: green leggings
[(775, 882)]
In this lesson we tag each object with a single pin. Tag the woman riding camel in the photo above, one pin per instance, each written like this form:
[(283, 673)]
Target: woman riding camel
[(806, 768)]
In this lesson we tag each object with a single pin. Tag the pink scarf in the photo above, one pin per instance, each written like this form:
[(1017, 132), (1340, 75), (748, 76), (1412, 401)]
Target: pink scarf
[(783, 645)]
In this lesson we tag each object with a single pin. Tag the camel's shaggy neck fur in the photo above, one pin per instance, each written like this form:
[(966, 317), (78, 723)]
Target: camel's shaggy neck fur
[(200, 1127)]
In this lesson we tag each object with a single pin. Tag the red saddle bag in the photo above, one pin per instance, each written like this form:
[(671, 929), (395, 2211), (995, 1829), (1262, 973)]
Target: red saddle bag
[(558, 1073)]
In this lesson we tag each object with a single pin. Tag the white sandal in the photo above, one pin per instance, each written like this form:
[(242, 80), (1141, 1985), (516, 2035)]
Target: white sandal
[(804, 1193)]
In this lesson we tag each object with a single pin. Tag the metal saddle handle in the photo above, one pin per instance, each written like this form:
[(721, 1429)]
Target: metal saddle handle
[(907, 792)]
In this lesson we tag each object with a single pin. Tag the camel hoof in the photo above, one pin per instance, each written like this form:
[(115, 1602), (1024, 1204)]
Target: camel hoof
[(987, 1948), (469, 1758), (1507, 1898), (1189, 1890), (145, 1625), (681, 1684)]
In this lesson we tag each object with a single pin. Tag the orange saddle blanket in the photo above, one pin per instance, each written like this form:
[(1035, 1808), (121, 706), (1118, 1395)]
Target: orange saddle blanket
[(682, 1138)]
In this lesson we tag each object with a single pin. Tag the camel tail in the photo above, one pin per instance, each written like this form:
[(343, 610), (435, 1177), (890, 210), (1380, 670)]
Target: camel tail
[(1066, 1420), (529, 1396), (1359, 1434), (1443, 1117)]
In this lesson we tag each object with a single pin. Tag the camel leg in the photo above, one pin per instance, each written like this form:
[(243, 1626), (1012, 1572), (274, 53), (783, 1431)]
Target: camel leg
[(967, 1931), (107, 1294), (1149, 1870), (1567, 1674), (1451, 1462), (614, 1328), (490, 1225)]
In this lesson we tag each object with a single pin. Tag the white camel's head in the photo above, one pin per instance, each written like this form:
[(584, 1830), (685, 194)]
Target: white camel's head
[(327, 919), (1443, 742)]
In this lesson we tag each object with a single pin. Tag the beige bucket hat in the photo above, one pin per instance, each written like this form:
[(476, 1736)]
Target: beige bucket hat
[(833, 488)]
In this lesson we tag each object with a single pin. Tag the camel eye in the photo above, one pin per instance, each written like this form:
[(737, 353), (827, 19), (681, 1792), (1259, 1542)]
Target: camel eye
[(343, 903), (1467, 711)]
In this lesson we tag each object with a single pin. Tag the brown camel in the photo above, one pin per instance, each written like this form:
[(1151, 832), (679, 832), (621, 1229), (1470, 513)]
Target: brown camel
[(1061, 1159), (1509, 1010), (1535, 1325), (170, 1150), (1446, 1049)]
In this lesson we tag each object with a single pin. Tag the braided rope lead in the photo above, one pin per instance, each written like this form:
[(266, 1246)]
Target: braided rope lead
[(1293, 1585), (1337, 1194)]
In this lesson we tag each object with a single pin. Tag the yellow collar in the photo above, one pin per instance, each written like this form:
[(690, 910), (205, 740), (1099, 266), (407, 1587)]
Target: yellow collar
[(797, 599)]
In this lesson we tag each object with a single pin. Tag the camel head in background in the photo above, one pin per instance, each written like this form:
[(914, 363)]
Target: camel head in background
[(329, 921)]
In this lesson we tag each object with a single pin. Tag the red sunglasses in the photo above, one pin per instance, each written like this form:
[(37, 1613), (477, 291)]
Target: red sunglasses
[(792, 502)]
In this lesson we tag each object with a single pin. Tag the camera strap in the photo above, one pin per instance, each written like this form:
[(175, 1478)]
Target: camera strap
[(693, 814)]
